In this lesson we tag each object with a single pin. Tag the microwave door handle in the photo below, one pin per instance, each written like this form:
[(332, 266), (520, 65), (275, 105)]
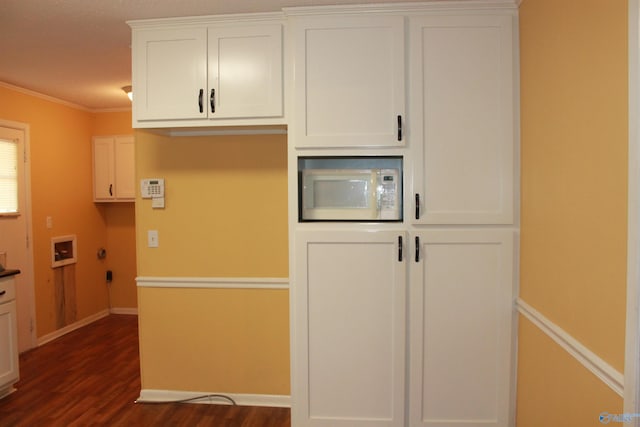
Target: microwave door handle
[(378, 193)]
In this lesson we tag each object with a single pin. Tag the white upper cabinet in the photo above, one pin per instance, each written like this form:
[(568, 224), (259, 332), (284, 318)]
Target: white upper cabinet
[(230, 73), (462, 119), (169, 74), (349, 81), (114, 169)]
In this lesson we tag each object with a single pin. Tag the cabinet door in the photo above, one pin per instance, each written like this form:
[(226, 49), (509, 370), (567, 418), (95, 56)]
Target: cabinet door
[(245, 71), (462, 119), (349, 81), (349, 329), (103, 169), (170, 74), (9, 372), (461, 322), (124, 167)]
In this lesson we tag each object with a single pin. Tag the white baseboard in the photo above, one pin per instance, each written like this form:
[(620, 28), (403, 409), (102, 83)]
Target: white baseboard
[(72, 327), (601, 369), (124, 310), (156, 396)]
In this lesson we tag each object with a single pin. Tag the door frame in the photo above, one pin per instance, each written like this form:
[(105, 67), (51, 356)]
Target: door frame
[(632, 334), (29, 274)]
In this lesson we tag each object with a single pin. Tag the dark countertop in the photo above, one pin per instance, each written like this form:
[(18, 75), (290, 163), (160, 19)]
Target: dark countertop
[(7, 273)]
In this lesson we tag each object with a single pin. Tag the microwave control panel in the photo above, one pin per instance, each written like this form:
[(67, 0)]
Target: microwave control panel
[(388, 193)]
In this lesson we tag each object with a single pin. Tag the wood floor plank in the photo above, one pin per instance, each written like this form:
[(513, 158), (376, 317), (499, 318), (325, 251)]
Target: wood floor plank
[(91, 377)]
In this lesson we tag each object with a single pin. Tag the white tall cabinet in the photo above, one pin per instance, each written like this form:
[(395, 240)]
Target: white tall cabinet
[(446, 272)]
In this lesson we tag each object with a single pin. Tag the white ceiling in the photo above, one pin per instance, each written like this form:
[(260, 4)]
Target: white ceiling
[(79, 50)]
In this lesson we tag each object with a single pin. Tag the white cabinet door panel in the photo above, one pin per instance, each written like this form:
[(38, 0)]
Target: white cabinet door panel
[(350, 317), (462, 118), (103, 168), (169, 74), (461, 318), (245, 71), (8, 345), (349, 81), (125, 167)]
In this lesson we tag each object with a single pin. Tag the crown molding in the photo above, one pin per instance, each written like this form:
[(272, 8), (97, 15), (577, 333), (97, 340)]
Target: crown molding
[(59, 101), (408, 7)]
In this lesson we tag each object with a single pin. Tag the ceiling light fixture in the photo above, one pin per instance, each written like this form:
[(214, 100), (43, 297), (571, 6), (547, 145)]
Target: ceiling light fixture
[(127, 90)]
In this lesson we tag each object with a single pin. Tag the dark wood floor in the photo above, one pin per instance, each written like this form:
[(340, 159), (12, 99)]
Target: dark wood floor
[(91, 377)]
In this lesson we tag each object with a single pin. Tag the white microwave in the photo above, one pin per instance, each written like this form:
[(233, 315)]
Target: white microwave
[(351, 195)]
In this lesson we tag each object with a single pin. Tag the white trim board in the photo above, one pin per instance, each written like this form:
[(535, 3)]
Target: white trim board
[(60, 101), (157, 396), (632, 339), (124, 310), (214, 282), (72, 327), (601, 369)]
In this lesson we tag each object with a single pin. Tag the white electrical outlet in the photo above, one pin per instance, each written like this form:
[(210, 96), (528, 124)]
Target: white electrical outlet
[(152, 238)]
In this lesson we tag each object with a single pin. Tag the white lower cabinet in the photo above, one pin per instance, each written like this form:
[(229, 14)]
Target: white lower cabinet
[(360, 294), (9, 371), (349, 329), (461, 320)]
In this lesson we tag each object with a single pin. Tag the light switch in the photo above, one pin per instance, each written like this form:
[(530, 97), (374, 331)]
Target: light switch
[(49, 222), (152, 238)]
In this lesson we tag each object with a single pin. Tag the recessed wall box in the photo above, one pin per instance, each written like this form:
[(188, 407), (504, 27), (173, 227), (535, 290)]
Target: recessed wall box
[(63, 250)]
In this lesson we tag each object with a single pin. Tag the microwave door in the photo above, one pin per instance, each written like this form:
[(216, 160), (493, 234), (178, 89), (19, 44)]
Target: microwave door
[(339, 195)]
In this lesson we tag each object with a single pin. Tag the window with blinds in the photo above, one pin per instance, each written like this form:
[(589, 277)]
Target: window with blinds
[(8, 176)]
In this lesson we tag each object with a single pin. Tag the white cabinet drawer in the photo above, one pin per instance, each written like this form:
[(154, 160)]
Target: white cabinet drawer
[(7, 289)]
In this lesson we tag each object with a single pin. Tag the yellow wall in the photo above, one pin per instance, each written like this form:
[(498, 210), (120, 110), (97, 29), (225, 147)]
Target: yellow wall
[(215, 340), (574, 172), (225, 216), (120, 221), (61, 187), (553, 389)]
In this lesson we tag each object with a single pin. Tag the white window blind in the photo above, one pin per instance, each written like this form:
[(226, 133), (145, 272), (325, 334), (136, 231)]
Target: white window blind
[(8, 176)]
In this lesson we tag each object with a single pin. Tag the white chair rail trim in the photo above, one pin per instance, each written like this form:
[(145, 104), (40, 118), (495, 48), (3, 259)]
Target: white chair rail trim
[(214, 282), (601, 369)]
